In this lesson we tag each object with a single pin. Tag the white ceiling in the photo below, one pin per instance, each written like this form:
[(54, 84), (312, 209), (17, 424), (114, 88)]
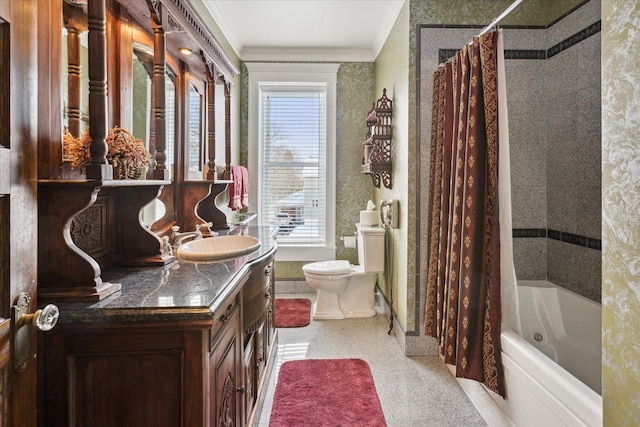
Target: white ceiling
[(299, 30)]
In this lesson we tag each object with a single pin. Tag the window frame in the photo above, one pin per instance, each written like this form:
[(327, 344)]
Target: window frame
[(295, 74)]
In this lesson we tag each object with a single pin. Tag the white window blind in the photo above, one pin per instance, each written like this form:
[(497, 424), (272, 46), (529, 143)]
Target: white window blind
[(293, 147), (291, 156)]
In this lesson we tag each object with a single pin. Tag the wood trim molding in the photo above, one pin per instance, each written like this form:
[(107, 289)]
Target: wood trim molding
[(185, 16)]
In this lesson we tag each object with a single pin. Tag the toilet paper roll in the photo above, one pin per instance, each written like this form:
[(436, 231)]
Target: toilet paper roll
[(349, 242)]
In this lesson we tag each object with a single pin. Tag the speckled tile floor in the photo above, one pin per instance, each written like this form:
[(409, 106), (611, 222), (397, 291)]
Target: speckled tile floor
[(416, 391)]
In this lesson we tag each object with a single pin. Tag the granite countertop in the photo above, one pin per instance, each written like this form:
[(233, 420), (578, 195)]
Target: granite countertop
[(182, 290)]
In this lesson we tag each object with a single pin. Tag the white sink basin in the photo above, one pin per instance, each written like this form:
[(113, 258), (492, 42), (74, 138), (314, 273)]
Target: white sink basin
[(219, 247)]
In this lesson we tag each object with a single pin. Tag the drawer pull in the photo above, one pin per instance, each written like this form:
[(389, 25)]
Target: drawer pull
[(267, 295), (267, 271), (241, 389), (225, 317)]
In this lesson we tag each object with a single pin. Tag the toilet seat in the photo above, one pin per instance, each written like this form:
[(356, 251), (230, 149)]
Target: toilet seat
[(328, 268)]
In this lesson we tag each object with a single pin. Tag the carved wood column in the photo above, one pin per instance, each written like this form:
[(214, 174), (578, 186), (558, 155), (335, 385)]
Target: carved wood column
[(159, 99), (98, 168), (211, 124)]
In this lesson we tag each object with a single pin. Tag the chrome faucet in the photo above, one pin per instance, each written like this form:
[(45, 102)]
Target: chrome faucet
[(166, 249), (178, 238)]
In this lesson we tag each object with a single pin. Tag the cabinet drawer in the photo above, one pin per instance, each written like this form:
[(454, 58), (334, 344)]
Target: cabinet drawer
[(259, 278), (223, 315), (256, 296), (254, 311)]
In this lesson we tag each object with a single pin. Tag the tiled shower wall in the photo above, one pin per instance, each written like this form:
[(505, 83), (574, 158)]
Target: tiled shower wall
[(574, 146), (553, 92)]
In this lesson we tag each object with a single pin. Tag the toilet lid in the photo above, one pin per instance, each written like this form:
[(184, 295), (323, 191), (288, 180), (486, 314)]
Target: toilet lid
[(328, 267)]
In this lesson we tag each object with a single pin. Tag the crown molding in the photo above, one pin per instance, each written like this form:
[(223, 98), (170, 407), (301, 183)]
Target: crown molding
[(307, 55)]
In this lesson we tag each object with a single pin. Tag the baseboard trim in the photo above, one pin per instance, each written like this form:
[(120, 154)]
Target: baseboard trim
[(411, 343)]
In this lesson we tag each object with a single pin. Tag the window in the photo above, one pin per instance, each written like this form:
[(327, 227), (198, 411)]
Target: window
[(292, 155), (292, 144), (195, 153)]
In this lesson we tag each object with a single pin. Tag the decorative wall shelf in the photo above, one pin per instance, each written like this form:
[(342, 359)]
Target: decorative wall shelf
[(207, 208), (376, 160), (86, 226)]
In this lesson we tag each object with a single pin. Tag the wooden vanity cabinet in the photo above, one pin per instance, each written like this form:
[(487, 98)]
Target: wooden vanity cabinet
[(166, 373), (174, 367)]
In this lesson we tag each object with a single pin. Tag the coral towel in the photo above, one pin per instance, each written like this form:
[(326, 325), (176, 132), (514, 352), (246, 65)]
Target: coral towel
[(244, 194), (239, 188)]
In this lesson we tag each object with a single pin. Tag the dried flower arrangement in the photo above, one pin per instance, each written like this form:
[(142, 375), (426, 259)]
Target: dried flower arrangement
[(76, 150), (125, 152)]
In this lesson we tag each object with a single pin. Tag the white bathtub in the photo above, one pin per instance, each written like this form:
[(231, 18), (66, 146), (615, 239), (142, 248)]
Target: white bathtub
[(561, 326)]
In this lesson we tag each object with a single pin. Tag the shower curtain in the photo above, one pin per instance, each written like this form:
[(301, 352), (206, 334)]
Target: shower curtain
[(463, 306)]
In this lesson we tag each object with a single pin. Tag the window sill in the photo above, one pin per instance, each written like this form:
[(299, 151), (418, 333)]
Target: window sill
[(306, 253)]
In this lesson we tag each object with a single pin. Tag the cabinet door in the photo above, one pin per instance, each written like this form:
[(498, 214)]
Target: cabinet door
[(117, 376), (261, 352), (250, 380), (226, 375)]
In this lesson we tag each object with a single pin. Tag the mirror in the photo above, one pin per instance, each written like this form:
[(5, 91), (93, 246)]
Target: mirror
[(219, 124), (155, 210), (170, 120), (143, 105), (75, 79), (142, 89), (194, 154), (142, 121)]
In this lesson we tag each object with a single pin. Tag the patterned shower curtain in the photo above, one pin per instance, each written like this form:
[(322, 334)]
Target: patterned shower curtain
[(463, 291)]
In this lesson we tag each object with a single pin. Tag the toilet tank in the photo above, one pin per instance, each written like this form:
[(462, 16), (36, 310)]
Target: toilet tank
[(371, 248)]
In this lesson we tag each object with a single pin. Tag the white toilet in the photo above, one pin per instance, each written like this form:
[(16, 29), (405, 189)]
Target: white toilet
[(345, 290)]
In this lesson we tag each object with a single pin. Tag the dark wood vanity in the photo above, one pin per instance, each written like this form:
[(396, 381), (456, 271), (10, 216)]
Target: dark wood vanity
[(186, 344), (143, 338)]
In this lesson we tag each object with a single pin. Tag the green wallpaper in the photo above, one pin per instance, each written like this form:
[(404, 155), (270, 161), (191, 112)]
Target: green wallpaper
[(353, 189), (482, 12), (392, 73), (620, 207)]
